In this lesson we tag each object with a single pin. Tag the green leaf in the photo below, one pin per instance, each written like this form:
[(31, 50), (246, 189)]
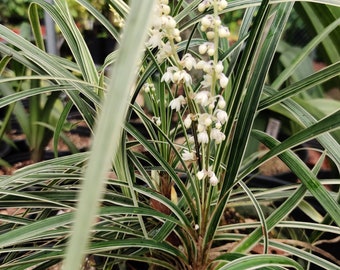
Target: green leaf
[(114, 110), (36, 28), (304, 53), (302, 85), (255, 63), (306, 177), (258, 261)]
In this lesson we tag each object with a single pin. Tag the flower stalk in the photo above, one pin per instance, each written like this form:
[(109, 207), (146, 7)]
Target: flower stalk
[(203, 109)]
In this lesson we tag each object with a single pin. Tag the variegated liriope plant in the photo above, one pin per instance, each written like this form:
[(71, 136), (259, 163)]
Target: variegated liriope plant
[(177, 182)]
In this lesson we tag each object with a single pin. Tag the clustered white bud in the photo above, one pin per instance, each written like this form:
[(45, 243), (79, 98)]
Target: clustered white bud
[(211, 70), (213, 180), (163, 28), (209, 125), (212, 26), (207, 48), (148, 87), (206, 4), (177, 76)]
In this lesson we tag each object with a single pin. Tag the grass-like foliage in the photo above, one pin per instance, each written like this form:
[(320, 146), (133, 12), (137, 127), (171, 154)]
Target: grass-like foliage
[(178, 190)]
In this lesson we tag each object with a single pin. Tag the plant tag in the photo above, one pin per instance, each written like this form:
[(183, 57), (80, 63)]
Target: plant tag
[(273, 127)]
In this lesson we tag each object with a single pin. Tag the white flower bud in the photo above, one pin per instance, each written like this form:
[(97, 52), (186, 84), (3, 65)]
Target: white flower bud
[(204, 5), (221, 116), (202, 49), (210, 35), (223, 80), (206, 21), (176, 32), (202, 137), (165, 9), (203, 28), (211, 51), (178, 39), (170, 22), (201, 128), (200, 64), (188, 121), (221, 103), (218, 125), (223, 32), (213, 180), (211, 106), (217, 21), (146, 88), (208, 67), (201, 7), (219, 67), (200, 175), (222, 4)]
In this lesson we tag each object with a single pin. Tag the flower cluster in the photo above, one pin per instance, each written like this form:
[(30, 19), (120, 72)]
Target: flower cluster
[(212, 71), (204, 108), (163, 28), (179, 75), (176, 76), (212, 26), (148, 87), (206, 4), (213, 180), (208, 124)]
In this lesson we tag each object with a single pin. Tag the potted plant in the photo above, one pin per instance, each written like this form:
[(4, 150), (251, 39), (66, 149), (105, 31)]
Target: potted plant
[(36, 116), (172, 199)]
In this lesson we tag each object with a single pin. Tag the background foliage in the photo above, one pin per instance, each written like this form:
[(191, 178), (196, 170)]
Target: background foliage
[(145, 208)]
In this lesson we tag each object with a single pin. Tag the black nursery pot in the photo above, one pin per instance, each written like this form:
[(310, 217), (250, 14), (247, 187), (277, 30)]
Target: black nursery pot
[(17, 153), (264, 181), (261, 181), (21, 152), (5, 149), (99, 45), (20, 156)]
